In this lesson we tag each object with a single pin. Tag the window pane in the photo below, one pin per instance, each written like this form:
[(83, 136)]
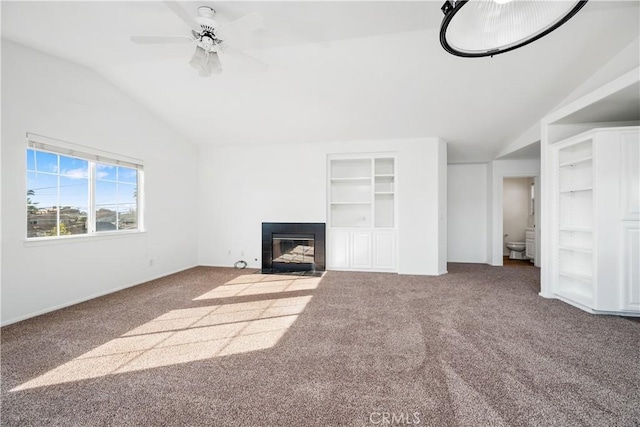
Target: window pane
[(73, 205), (126, 193), (42, 202), (106, 193), (106, 218), (76, 168), (127, 175), (127, 213), (46, 162), (106, 172), (30, 160), (106, 206), (42, 189), (116, 198)]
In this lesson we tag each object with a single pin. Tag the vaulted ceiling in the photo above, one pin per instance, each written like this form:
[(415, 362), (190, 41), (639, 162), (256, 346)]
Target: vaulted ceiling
[(340, 70)]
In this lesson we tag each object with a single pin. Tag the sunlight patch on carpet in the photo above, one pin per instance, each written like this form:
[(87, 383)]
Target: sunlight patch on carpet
[(258, 284), (188, 335)]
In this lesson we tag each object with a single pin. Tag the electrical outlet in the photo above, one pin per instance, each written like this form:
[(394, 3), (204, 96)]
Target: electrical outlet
[(241, 253), (150, 262), (229, 253)]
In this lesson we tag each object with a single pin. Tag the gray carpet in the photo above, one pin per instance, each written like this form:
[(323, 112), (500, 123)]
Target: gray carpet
[(222, 347)]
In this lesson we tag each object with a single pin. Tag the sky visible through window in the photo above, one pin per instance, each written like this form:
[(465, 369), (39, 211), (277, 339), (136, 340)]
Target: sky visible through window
[(56, 180)]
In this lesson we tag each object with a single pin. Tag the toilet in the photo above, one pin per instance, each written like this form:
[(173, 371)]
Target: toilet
[(517, 250)]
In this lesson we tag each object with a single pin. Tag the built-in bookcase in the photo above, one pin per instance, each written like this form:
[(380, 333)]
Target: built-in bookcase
[(595, 244), (384, 192), (575, 212), (362, 192), (362, 206), (350, 193)]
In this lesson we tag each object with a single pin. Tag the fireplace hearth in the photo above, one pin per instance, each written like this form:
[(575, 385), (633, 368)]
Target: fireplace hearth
[(293, 247)]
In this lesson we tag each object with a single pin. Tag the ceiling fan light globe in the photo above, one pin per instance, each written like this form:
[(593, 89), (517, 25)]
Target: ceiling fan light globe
[(198, 60), (214, 63)]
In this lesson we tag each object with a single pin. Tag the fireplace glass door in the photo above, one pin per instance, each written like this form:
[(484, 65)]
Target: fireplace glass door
[(293, 252)]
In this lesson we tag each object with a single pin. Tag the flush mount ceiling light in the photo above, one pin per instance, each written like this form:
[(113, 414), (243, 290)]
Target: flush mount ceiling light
[(475, 28)]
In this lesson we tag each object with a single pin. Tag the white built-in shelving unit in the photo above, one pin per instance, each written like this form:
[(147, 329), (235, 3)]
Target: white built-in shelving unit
[(591, 199), (575, 219), (594, 232), (362, 212), (596, 241)]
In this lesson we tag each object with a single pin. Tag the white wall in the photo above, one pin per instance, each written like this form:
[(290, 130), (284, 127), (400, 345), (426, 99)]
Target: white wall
[(467, 213), (516, 206), (627, 59), (56, 98), (443, 219), (241, 187)]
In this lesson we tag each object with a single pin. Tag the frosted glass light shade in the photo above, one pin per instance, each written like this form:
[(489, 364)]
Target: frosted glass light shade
[(206, 63), (474, 28), (212, 66), (199, 58)]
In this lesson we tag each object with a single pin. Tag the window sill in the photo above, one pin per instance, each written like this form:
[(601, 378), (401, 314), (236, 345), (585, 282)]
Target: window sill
[(45, 241)]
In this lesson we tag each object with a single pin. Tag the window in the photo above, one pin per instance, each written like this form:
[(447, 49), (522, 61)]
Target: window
[(73, 193)]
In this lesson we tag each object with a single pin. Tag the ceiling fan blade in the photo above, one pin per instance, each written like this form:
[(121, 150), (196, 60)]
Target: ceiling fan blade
[(183, 14), (160, 39), (241, 27), (242, 61)]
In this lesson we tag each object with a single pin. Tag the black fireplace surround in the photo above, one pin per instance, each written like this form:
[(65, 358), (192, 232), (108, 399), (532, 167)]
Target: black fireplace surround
[(293, 247)]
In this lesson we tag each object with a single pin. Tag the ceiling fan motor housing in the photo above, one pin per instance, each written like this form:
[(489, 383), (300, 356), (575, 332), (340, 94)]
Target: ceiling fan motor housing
[(205, 19), (209, 41)]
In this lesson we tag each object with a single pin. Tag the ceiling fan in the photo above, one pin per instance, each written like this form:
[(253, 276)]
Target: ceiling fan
[(211, 39)]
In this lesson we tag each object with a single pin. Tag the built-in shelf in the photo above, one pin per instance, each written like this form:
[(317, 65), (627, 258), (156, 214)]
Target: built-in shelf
[(580, 229), (350, 203), (577, 190), (365, 179), (575, 249), (574, 189), (362, 192), (580, 294), (577, 276), (576, 161)]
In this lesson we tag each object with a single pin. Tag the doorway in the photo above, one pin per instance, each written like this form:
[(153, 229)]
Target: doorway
[(519, 221)]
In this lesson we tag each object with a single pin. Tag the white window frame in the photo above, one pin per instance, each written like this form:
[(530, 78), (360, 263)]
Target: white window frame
[(92, 156)]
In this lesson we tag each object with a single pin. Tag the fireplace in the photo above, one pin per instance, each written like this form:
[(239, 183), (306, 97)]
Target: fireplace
[(293, 247)]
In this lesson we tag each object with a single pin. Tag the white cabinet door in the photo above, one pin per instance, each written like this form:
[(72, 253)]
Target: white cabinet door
[(339, 249), (384, 249), (631, 266), (361, 250), (630, 175), (530, 251)]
